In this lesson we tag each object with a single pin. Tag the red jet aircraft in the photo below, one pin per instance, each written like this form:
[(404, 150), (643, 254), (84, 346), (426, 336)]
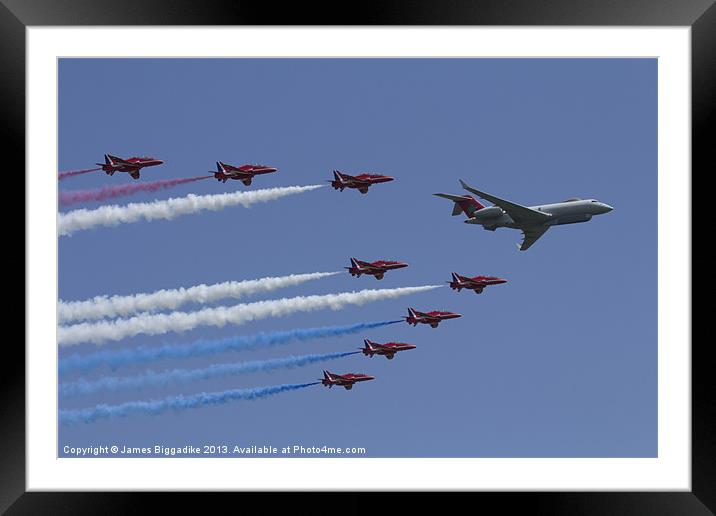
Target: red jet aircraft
[(360, 182), (478, 283), (431, 318), (132, 165), (389, 349), (376, 269), (244, 173), (344, 380)]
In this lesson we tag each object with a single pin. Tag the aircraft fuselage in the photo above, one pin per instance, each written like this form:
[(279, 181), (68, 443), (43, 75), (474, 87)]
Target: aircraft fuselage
[(568, 212)]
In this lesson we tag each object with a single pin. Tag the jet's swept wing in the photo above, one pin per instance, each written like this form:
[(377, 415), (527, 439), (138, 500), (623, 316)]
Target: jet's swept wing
[(531, 234), (520, 214)]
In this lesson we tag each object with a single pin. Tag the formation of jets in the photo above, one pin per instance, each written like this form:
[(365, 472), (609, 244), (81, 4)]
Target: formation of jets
[(376, 269), (244, 173), (532, 221), (434, 318)]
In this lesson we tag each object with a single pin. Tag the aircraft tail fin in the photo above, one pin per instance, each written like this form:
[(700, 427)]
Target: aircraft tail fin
[(470, 205), (107, 165), (111, 160), (220, 173), (455, 277), (337, 181), (463, 204), (354, 263)]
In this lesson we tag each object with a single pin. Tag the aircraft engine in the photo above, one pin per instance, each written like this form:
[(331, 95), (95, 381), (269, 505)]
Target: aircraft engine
[(487, 213)]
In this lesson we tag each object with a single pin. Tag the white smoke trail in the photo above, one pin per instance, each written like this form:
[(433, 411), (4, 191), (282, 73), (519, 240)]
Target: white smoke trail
[(114, 215), (170, 299), (154, 324)]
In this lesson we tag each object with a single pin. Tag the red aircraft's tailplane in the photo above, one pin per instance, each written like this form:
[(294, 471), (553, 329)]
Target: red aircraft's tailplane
[(220, 173), (337, 182), (368, 350), (108, 163)]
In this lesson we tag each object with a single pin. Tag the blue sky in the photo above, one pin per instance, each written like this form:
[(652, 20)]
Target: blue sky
[(559, 362)]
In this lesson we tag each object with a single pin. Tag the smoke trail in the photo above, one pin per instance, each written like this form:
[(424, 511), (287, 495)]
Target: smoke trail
[(201, 348), (176, 403), (70, 173), (164, 378), (168, 209), (119, 306), (154, 324), (67, 198)]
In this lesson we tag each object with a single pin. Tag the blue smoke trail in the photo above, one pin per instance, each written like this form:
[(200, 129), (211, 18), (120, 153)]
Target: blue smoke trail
[(199, 348), (177, 403), (162, 379)]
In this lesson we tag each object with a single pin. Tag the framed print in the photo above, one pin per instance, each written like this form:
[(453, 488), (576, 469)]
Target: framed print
[(279, 254)]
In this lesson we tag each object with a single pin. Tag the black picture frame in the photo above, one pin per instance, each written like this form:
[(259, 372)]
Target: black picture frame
[(700, 15)]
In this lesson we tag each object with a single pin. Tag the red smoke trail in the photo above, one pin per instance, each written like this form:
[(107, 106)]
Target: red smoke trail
[(111, 192), (70, 173)]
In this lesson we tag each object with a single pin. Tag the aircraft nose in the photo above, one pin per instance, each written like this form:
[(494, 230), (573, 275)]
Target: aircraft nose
[(606, 208)]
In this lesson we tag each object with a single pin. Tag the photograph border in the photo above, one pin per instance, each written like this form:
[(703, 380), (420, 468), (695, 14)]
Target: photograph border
[(15, 16)]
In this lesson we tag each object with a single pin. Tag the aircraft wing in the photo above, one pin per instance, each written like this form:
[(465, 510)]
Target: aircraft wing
[(531, 235), (518, 213)]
